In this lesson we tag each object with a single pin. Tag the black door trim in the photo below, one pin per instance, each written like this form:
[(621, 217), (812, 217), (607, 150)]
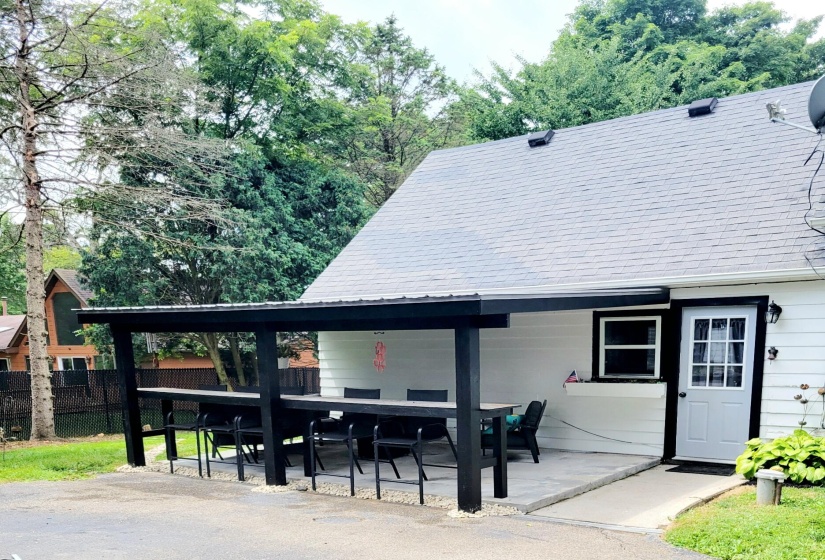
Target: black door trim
[(673, 337)]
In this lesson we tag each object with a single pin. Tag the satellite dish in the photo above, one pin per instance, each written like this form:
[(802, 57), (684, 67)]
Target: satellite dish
[(816, 104)]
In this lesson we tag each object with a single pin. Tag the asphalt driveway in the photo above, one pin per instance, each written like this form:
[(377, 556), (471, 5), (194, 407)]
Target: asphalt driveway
[(150, 515)]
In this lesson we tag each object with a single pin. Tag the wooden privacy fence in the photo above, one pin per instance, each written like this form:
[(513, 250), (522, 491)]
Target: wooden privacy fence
[(87, 403)]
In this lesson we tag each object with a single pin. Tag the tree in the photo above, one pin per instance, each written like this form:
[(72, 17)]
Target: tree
[(621, 57), (291, 212), (396, 102), (60, 61), (12, 256)]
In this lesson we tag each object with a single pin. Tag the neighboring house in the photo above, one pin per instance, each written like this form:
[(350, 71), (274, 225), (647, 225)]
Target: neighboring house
[(710, 208), (64, 295)]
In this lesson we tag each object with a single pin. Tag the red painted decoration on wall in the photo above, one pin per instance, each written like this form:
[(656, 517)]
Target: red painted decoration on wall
[(380, 361)]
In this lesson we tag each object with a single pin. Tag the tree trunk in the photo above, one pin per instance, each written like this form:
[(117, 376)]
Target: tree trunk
[(41, 386), (210, 340), (236, 359)]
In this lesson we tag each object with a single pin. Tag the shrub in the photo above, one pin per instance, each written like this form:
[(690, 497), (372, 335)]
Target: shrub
[(800, 455)]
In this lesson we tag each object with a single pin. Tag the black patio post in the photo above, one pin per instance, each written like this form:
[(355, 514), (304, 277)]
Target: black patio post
[(267, 349), (468, 417), (127, 379)]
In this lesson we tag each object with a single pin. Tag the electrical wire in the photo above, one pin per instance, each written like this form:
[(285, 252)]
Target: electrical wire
[(810, 209), (659, 447)]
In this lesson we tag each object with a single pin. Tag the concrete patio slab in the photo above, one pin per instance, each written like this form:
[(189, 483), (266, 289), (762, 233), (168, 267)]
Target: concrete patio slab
[(649, 500), (560, 474)]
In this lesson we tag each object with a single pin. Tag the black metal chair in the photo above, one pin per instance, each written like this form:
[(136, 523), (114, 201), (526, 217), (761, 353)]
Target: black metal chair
[(350, 427), (415, 432), (170, 426), (522, 436), (250, 436)]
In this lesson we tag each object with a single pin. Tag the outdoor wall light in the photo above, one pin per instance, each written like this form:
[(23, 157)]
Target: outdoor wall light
[(772, 352), (773, 313)]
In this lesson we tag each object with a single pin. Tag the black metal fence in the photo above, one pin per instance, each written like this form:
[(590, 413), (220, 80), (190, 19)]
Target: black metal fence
[(87, 403)]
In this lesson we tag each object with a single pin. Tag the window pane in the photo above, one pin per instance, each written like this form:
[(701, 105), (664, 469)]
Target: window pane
[(79, 364), (719, 329), (699, 377), (737, 329), (4, 364), (65, 363), (700, 329), (736, 352), (717, 352), (700, 352), (65, 318), (630, 332), (734, 376), (630, 362), (717, 376)]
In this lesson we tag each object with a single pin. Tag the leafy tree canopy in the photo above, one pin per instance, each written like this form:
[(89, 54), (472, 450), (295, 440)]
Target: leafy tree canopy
[(621, 57)]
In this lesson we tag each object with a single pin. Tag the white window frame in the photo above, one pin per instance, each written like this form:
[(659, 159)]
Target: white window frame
[(73, 358), (8, 363), (657, 347)]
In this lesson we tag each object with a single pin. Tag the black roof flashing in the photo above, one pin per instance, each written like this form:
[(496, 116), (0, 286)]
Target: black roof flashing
[(540, 138), (702, 106)]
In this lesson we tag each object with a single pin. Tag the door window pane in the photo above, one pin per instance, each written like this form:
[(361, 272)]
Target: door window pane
[(734, 376), (79, 364), (717, 352), (700, 352), (699, 377), (700, 329), (737, 329), (717, 376), (719, 329), (65, 363), (736, 352)]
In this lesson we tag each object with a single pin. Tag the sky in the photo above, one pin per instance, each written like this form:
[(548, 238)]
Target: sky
[(466, 34)]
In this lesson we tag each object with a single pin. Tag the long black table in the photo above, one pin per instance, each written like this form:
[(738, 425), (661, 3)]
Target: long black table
[(383, 407)]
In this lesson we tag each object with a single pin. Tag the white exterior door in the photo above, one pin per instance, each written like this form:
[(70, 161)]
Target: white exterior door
[(715, 381)]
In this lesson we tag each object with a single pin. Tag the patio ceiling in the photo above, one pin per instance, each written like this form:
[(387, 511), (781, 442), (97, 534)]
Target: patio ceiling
[(427, 312)]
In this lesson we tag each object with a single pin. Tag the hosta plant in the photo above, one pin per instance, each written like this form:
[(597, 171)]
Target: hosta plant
[(800, 456)]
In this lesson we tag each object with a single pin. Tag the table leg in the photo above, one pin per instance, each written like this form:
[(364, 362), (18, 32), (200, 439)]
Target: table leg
[(500, 453), (308, 417)]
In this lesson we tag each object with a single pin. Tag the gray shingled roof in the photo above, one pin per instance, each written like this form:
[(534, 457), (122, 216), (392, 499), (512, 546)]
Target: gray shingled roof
[(651, 196), (72, 280)]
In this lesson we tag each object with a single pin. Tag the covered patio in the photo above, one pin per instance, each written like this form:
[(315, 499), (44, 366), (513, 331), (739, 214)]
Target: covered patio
[(465, 315)]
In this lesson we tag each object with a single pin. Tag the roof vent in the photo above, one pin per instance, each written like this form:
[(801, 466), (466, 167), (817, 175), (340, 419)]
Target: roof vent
[(702, 107), (540, 138)]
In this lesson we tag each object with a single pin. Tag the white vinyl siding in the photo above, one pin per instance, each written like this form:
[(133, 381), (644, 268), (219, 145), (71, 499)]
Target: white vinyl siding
[(529, 361)]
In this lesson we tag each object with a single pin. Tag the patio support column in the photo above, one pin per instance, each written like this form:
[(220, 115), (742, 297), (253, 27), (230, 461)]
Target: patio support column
[(270, 381), (468, 417), (127, 380)]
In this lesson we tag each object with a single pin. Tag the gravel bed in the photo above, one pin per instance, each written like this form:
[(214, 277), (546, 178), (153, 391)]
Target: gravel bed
[(328, 488)]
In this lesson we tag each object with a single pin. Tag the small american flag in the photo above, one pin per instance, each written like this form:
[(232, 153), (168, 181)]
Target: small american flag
[(572, 378)]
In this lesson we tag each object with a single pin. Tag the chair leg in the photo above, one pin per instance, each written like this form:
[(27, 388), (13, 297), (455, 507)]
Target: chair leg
[(206, 448), (375, 450), (533, 445), (421, 476), (169, 451), (452, 445), (392, 462), (352, 468), (239, 458), (198, 451), (313, 458)]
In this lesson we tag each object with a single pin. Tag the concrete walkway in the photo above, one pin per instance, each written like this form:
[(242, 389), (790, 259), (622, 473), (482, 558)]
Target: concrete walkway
[(645, 502)]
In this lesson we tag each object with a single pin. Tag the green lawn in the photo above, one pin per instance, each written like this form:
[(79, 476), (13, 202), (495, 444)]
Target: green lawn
[(65, 461), (734, 527)]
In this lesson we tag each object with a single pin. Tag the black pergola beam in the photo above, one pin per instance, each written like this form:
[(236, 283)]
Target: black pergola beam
[(267, 348), (573, 301), (468, 418), (127, 379), (498, 321)]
